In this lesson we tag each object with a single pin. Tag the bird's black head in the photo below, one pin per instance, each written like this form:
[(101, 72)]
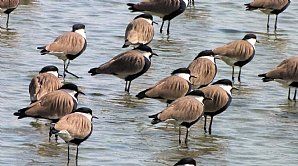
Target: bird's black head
[(145, 48), (186, 161), (205, 53), (77, 27), (49, 68), (223, 82), (71, 86), (249, 36), (181, 70), (196, 93), (84, 110), (147, 16)]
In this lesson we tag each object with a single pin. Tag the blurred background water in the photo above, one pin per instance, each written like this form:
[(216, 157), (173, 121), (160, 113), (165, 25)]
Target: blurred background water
[(259, 128)]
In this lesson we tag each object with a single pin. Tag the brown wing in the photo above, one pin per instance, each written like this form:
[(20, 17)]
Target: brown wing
[(186, 109), (269, 4), (158, 6), (239, 49), (68, 43), (169, 88), (76, 124), (42, 84), (139, 31), (129, 62), (287, 70), (9, 4), (218, 95), (54, 105), (204, 70)]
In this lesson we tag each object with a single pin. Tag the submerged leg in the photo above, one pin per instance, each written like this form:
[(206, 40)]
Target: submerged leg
[(7, 21), (160, 30), (205, 116), (168, 29), (128, 86), (275, 25), (186, 136), (211, 120), (233, 73), (239, 75), (179, 135), (65, 69), (289, 96), (268, 22), (294, 98), (77, 152), (50, 134), (68, 152)]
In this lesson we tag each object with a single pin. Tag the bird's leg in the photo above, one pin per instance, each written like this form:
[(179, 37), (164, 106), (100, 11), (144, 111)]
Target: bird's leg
[(56, 137), (68, 152), (289, 96), (125, 89), (210, 124), (128, 86), (294, 98), (275, 25), (205, 117), (268, 22), (233, 73), (179, 135), (160, 30), (168, 29), (186, 136), (64, 66), (65, 69), (239, 75), (77, 152), (50, 134), (7, 21)]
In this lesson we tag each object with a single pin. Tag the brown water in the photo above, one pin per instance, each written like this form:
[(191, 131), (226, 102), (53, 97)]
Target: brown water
[(259, 128)]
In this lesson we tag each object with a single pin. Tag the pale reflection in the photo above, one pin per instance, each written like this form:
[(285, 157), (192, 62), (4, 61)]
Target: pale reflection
[(26, 2), (8, 38)]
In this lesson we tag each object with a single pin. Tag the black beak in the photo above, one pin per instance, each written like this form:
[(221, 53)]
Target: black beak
[(257, 41), (81, 92), (192, 76), (60, 75), (154, 22), (154, 54), (94, 117)]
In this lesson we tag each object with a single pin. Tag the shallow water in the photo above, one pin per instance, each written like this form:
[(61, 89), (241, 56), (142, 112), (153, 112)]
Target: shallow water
[(259, 128)]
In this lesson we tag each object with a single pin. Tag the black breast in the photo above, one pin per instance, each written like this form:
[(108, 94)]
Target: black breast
[(242, 63), (72, 57), (177, 12), (282, 9), (145, 68)]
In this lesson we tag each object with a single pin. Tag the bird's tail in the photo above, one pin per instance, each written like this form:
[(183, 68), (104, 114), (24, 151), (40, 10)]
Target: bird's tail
[(43, 50), (155, 119), (125, 44), (93, 71), (21, 113), (132, 7), (249, 7), (265, 78), (142, 94)]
